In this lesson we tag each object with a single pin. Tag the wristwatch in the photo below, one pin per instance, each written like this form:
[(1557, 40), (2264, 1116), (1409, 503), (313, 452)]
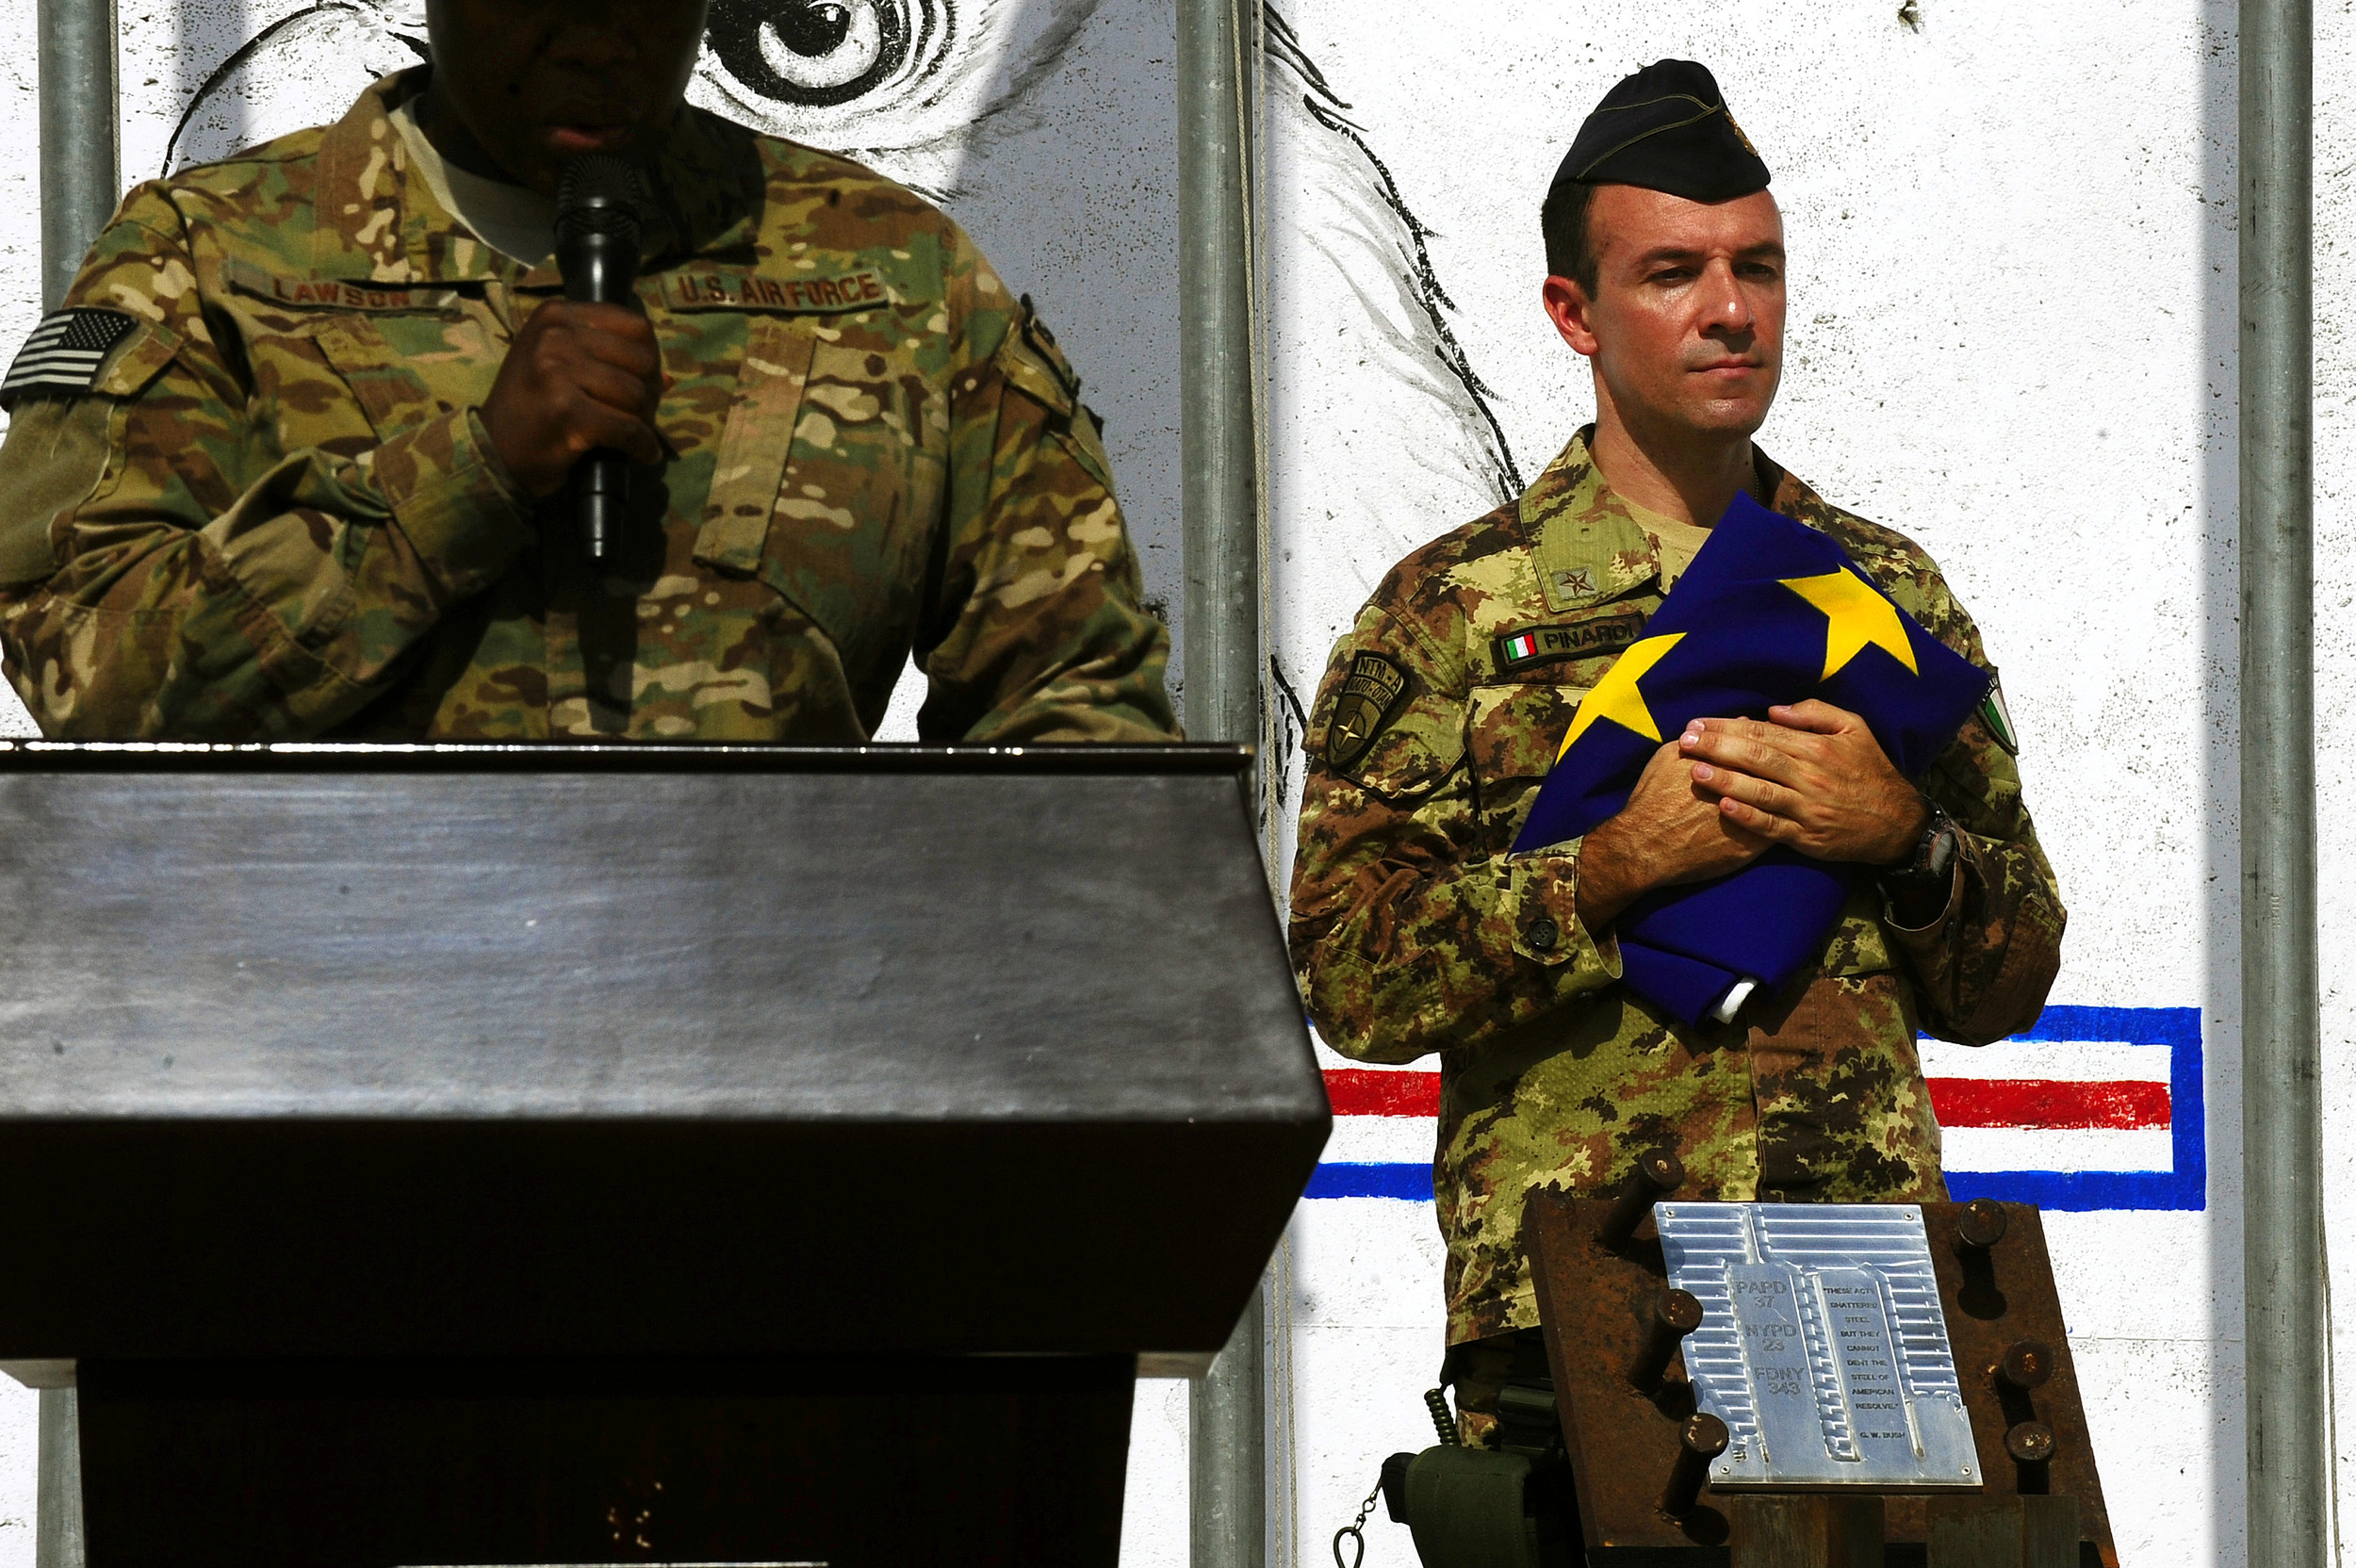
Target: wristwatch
[(1934, 859)]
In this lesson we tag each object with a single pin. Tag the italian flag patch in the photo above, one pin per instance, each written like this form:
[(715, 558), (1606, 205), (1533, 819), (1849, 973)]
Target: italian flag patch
[(1522, 646), (1998, 719)]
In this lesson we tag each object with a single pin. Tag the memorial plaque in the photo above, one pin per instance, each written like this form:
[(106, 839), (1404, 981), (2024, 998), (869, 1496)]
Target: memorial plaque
[(1627, 1398), (1823, 1345)]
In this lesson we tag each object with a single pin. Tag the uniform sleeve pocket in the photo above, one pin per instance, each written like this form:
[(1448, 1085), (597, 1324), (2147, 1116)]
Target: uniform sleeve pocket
[(151, 347), (1400, 752)]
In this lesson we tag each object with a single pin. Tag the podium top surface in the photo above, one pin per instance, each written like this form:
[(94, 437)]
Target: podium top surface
[(1059, 933), (342, 756), (554, 1051)]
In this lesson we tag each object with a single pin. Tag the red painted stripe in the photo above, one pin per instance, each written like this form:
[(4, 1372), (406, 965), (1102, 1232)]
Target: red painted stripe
[(2043, 1102), (2024, 1103), (1357, 1092)]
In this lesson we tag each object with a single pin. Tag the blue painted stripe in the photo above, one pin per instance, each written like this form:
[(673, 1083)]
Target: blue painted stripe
[(2076, 1191), (1412, 1183), (2122, 1025)]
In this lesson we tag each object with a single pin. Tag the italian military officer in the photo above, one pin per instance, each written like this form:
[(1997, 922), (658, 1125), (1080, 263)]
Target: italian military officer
[(291, 460), (1414, 929)]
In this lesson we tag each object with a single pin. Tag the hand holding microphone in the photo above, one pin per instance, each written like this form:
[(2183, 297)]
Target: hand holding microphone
[(575, 399)]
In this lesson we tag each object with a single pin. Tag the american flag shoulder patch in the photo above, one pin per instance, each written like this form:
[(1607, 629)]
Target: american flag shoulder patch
[(66, 353)]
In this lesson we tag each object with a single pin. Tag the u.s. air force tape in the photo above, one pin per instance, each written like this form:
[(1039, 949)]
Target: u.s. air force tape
[(66, 353)]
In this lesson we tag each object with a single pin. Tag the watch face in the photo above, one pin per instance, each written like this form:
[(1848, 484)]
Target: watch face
[(1941, 852)]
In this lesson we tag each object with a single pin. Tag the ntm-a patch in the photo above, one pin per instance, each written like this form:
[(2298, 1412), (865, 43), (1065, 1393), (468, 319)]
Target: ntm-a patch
[(66, 353), (1597, 634), (1369, 693), (740, 290)]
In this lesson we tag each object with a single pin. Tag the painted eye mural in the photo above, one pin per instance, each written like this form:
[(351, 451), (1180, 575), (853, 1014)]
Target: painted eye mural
[(810, 54), (906, 86)]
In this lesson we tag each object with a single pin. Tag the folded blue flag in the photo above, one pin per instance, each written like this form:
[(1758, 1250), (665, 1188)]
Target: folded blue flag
[(1770, 611)]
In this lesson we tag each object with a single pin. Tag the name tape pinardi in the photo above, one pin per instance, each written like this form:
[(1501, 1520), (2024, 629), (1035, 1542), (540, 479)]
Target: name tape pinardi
[(750, 291), (1578, 640)]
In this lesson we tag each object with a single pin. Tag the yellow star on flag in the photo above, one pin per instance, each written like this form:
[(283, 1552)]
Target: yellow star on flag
[(1616, 696), (1860, 618)]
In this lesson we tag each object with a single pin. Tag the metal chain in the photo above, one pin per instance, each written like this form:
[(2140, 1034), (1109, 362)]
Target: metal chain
[(1356, 1530)]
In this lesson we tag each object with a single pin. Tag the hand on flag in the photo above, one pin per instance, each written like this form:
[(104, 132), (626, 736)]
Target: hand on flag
[(1813, 777), (1670, 833), (1728, 860)]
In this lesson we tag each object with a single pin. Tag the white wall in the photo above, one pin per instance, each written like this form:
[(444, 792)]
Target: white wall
[(2012, 315)]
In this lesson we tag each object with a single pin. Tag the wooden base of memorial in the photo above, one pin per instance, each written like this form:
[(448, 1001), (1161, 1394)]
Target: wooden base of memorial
[(1596, 1304)]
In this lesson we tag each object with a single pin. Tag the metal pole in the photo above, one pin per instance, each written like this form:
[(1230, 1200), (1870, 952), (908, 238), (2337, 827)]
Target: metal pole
[(1221, 473), (81, 176), (1227, 1450), (1219, 444), (2282, 1261), (58, 1497), (81, 179)]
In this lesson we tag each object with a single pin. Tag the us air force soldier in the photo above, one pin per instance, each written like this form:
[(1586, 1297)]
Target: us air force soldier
[(278, 468), (1415, 930)]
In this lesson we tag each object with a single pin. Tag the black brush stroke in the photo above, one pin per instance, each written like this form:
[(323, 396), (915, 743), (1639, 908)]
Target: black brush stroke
[(1324, 104), (1290, 729), (252, 46)]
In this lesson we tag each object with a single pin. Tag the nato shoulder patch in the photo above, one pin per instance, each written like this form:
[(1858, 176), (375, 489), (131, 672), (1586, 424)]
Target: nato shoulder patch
[(66, 353), (1998, 718), (1368, 696)]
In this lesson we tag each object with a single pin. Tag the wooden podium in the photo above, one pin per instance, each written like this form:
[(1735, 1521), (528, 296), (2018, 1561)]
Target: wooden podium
[(546, 1154)]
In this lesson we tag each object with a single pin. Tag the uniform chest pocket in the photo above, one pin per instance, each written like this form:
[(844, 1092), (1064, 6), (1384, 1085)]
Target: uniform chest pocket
[(1512, 730), (344, 384), (819, 486)]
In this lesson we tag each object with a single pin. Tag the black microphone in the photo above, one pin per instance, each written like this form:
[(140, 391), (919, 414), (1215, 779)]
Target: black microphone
[(596, 251)]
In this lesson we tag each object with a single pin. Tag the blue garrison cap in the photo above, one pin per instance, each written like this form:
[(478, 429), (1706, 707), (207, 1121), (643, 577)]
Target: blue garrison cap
[(1666, 128)]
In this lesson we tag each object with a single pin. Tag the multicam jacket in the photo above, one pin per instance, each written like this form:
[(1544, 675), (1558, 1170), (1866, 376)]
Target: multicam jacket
[(1415, 930), (271, 510)]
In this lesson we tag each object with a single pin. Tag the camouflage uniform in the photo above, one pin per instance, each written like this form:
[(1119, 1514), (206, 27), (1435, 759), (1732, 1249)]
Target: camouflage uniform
[(274, 512), (1415, 930)]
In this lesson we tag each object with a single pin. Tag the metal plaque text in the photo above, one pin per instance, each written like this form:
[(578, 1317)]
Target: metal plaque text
[(1823, 1345)]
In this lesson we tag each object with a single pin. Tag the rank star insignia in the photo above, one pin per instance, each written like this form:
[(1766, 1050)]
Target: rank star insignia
[(1369, 693)]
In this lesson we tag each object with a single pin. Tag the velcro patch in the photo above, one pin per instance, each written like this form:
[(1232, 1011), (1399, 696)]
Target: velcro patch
[(1368, 695), (742, 290), (1543, 644), (309, 293), (66, 353), (1042, 344)]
